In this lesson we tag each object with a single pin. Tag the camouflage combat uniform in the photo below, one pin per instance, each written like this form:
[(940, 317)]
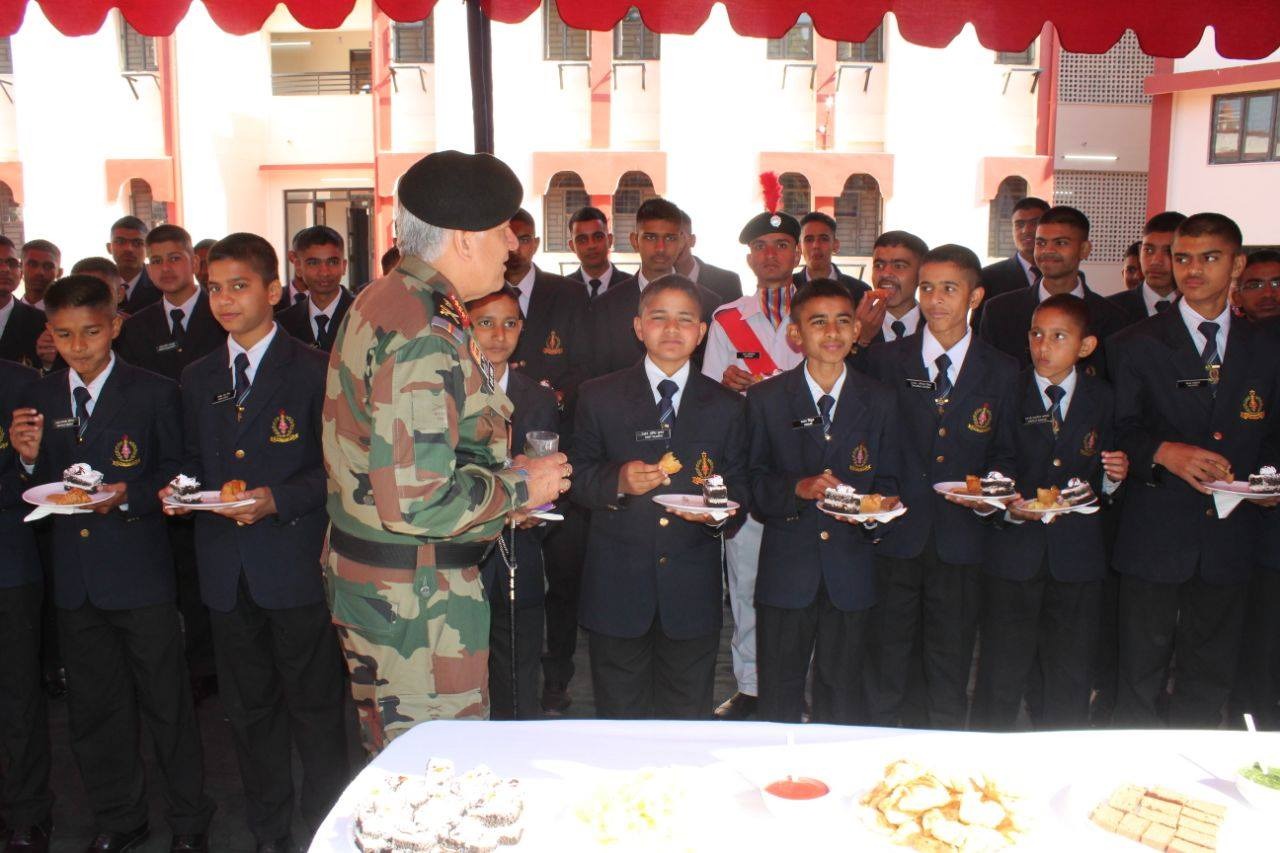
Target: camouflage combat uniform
[(415, 436)]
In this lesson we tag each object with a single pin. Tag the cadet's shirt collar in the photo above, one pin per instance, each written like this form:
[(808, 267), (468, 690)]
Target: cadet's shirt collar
[(815, 390), (1150, 298), (1026, 268), (910, 320), (186, 308), (835, 274), (655, 375), (505, 379), (930, 349), (641, 280), (6, 312), (255, 353), (694, 270), (95, 387), (526, 289), (313, 311), (131, 284), (1068, 385), (1192, 320), (1077, 291)]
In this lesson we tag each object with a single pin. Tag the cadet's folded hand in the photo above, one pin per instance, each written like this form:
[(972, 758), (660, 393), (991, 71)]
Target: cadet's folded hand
[(638, 477), (121, 494), (264, 504), (1116, 464), (171, 510), (815, 488), (1195, 465)]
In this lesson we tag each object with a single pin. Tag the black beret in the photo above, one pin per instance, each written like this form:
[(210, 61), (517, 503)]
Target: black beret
[(467, 192), (770, 223)]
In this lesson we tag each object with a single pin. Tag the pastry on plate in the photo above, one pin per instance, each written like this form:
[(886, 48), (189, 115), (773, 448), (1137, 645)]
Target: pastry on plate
[(669, 464), (230, 489)]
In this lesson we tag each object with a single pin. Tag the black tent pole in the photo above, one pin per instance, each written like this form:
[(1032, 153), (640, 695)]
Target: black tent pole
[(480, 50)]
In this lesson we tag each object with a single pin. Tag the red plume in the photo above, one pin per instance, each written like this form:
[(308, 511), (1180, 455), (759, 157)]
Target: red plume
[(772, 190)]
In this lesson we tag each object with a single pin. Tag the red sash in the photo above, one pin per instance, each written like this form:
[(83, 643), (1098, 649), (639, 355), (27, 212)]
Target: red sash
[(746, 342)]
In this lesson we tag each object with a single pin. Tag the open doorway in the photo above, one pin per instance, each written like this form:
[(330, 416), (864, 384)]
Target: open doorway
[(347, 211)]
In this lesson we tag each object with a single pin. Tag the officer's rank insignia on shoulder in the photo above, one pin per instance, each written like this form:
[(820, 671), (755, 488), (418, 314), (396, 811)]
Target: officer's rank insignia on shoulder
[(553, 346), (860, 459), (980, 420), (125, 453), (283, 429), (451, 316), (1089, 446), (702, 469), (1252, 409)]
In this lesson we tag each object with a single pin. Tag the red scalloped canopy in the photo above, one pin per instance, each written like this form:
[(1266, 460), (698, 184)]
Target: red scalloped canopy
[(1245, 29)]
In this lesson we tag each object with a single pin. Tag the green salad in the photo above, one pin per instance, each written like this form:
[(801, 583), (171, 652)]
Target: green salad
[(1254, 773)]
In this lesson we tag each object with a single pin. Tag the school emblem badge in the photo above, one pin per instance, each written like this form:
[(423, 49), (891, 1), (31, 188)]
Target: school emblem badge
[(125, 453), (283, 429), (1252, 409), (1214, 371), (980, 420), (553, 346), (860, 459), (1089, 446), (702, 469)]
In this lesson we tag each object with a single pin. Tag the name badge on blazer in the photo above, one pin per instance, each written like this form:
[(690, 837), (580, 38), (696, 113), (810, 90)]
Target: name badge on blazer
[(922, 385), (1194, 383), (805, 423), (1031, 420), (661, 434), (747, 355), (167, 347), (224, 397), (67, 423)]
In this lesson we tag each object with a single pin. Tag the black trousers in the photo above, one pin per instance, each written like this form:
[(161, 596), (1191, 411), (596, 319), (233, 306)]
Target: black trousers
[(786, 640), (563, 551), (24, 718), (529, 624), (653, 676), (1044, 624), (1257, 688), (197, 633), (50, 654), (124, 666), (1198, 623), (933, 605), (1107, 659), (281, 680)]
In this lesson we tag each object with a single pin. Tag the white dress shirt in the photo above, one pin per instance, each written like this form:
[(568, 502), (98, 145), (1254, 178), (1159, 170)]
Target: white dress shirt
[(655, 374), (815, 390), (1150, 298), (327, 311), (187, 307), (1026, 269), (5, 313), (909, 320), (1192, 320), (255, 353), (1077, 291), (930, 349), (526, 289)]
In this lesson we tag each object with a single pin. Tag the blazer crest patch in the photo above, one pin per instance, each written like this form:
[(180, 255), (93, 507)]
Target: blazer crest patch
[(283, 429), (980, 420), (125, 453), (860, 459)]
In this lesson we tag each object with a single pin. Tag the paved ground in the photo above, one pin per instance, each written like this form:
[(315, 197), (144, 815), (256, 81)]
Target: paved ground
[(73, 824)]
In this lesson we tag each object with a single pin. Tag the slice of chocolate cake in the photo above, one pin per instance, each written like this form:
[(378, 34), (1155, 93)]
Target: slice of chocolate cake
[(714, 492)]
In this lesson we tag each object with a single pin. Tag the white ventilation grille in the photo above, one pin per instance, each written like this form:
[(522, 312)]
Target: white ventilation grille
[(1115, 202), (1114, 77)]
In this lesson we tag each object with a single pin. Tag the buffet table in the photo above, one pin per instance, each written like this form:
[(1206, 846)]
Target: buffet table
[(1063, 774)]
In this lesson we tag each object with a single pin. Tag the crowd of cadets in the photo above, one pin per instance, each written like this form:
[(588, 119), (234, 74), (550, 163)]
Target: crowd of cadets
[(171, 357)]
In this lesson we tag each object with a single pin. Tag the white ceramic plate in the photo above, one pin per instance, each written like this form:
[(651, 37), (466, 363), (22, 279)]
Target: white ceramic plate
[(1024, 504), (694, 503), (208, 500), (951, 487), (1239, 488), (39, 496), (862, 518)]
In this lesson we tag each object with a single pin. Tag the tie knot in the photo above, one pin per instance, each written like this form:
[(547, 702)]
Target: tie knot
[(1055, 393), (176, 314), (299, 296), (668, 389), (242, 361), (825, 404), (595, 283), (944, 363), (1035, 271), (516, 292), (899, 328), (82, 396), (322, 320), (1210, 331), (1162, 305)]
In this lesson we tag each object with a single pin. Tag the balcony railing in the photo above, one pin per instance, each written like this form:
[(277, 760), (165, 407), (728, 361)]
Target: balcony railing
[(321, 83)]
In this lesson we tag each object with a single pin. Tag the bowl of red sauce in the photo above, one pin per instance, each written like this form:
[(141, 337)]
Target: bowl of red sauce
[(796, 796)]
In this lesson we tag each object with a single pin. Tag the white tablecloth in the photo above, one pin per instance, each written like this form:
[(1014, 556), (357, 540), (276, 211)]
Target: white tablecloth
[(1068, 773)]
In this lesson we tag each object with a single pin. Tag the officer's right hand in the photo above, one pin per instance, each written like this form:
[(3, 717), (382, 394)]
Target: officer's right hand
[(1193, 464), (737, 379), (637, 477), (548, 477)]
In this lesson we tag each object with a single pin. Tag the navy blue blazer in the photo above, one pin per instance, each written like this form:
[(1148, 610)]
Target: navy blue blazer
[(21, 562), (555, 340), (723, 283), (938, 448), (144, 293), (1073, 543), (1168, 531), (275, 444), (120, 560), (642, 561), (802, 545), (614, 344), (18, 343), (145, 340), (296, 320)]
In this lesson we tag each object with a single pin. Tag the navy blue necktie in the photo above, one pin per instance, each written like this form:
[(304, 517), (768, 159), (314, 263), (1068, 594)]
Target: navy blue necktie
[(1209, 355), (82, 398), (899, 329), (1055, 393), (322, 329), (594, 284), (825, 404), (177, 333), (242, 379), (944, 381), (667, 405)]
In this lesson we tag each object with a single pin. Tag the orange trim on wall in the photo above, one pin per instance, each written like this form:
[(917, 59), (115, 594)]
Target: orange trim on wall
[(167, 64), (828, 171), (311, 167), (156, 171), (1047, 94), (600, 170), (824, 120), (601, 71), (1166, 82), (1036, 171), (11, 174), (386, 168), (1161, 139)]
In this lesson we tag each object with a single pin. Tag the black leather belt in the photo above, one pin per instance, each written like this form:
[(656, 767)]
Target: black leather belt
[(387, 555)]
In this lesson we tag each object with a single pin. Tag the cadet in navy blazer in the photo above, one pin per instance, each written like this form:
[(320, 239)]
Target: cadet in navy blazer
[(1042, 584), (24, 721), (613, 344), (144, 293), (18, 341), (296, 320), (146, 342)]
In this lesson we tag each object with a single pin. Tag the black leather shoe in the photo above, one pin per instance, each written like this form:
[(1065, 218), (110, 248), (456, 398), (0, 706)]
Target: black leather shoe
[(118, 842), (739, 706), (31, 839), (195, 842), (55, 683), (555, 700), (280, 845)]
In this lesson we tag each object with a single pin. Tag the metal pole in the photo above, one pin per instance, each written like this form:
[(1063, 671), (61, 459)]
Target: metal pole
[(511, 600), (480, 49)]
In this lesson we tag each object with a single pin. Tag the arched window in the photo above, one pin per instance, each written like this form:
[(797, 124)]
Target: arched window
[(1013, 189), (858, 215), (565, 195), (143, 206), (634, 189), (10, 216), (796, 197)]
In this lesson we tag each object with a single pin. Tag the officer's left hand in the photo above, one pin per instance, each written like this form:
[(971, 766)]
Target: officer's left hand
[(264, 504), (121, 494), (701, 517)]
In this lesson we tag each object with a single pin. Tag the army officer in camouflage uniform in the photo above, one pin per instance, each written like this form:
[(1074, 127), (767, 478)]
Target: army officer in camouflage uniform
[(415, 442)]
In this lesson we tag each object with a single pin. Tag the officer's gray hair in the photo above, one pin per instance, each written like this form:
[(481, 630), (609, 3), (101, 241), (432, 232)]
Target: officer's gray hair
[(417, 238)]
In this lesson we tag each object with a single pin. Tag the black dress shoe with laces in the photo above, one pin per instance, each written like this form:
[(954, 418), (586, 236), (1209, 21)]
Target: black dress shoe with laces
[(118, 842), (739, 706), (31, 839), (193, 842)]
